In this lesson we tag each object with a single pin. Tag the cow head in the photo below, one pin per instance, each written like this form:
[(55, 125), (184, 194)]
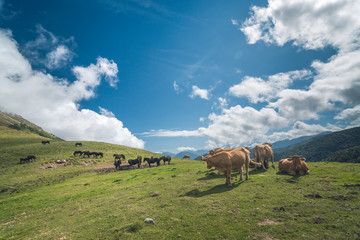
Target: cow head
[(208, 161)]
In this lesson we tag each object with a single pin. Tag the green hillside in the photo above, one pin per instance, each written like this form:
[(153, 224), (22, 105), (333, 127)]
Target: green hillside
[(87, 199), (321, 147), (17, 122)]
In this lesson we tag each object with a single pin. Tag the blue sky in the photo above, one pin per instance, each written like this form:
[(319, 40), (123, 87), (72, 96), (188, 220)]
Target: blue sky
[(175, 75)]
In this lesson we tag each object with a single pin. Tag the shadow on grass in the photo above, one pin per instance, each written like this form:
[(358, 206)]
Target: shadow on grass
[(292, 179), (214, 190)]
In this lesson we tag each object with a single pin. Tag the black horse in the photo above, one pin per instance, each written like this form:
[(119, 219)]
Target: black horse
[(166, 159), (86, 153), (28, 159), (137, 161), (117, 163), (78, 144), (78, 153), (31, 158), (98, 154), (152, 160), (45, 142), (119, 156)]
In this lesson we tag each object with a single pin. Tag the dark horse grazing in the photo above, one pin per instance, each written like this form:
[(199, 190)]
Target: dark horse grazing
[(97, 154), (166, 159), (45, 142), (137, 161), (78, 144), (87, 153), (119, 156), (117, 163), (78, 153), (28, 159), (152, 160)]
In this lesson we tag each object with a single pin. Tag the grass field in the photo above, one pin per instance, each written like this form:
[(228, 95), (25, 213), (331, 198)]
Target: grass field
[(88, 199)]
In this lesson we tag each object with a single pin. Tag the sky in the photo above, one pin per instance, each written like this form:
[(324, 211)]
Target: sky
[(181, 75)]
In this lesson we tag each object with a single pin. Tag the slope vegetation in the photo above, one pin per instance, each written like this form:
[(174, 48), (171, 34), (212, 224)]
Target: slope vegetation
[(321, 147)]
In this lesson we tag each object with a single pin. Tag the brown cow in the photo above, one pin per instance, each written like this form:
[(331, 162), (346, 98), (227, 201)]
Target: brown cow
[(229, 160), (294, 165), (186, 156), (262, 154)]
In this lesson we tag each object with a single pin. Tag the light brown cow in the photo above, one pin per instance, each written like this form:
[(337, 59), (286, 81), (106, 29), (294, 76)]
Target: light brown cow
[(294, 165), (262, 154), (229, 160), (186, 156)]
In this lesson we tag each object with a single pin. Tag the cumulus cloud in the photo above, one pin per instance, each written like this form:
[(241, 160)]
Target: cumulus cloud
[(48, 50), (58, 57), (260, 90), (53, 103), (198, 92), (308, 24), (182, 149), (350, 114), (106, 113)]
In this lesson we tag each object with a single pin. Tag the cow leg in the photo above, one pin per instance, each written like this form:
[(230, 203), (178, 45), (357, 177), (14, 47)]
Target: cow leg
[(241, 174), (263, 164), (228, 176), (247, 171)]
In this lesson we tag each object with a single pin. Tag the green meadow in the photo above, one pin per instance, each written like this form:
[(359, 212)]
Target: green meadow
[(87, 199)]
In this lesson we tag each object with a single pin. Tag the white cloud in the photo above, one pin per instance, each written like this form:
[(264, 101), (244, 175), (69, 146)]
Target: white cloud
[(308, 24), (350, 114), (259, 90), (52, 103), (202, 93), (300, 129), (48, 50), (59, 57), (106, 112), (176, 87), (234, 22), (182, 149)]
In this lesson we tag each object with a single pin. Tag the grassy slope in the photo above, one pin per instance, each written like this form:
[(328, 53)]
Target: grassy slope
[(185, 199)]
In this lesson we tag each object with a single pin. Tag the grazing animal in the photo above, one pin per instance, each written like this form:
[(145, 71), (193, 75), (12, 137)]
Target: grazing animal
[(217, 150), (117, 163), (295, 165), (78, 144), (31, 158), (166, 159), (137, 161), (45, 142), (119, 156), (186, 156), (152, 160), (24, 160), (97, 154), (86, 153), (262, 154), (78, 153), (229, 160)]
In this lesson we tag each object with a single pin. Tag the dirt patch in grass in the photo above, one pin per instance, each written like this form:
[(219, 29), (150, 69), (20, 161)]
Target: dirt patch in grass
[(267, 222), (316, 220), (313, 195)]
